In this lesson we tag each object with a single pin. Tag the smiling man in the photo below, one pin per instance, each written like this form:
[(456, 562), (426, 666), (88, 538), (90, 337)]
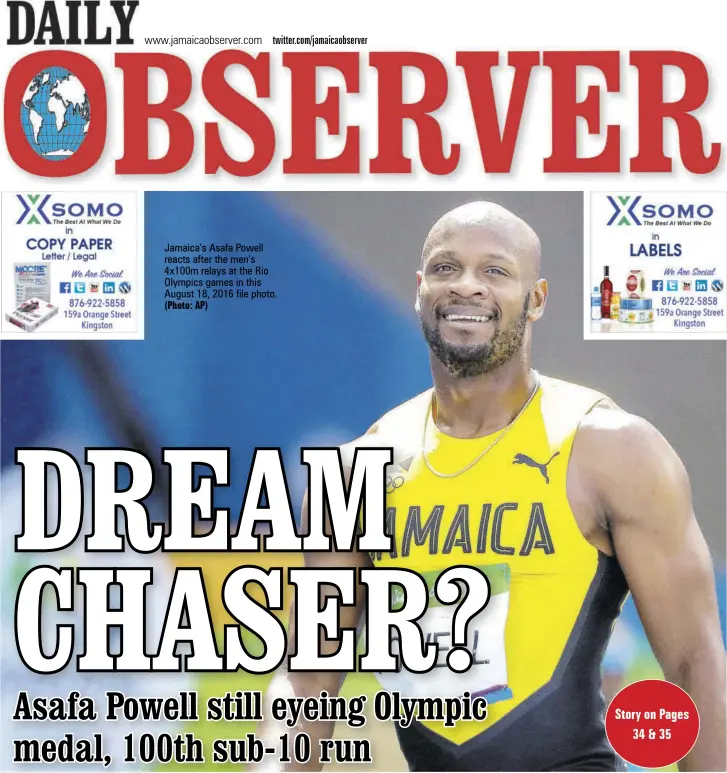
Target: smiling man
[(473, 336), (563, 499)]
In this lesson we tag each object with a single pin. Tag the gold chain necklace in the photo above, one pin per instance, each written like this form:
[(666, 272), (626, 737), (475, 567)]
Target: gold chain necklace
[(489, 448)]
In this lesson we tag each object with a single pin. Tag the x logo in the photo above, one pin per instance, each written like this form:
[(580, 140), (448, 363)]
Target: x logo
[(622, 212), (32, 208)]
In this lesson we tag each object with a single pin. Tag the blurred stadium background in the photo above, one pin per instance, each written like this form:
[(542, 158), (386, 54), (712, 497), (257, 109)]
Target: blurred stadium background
[(338, 346)]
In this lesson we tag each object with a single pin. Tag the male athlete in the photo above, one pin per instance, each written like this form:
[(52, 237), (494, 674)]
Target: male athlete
[(566, 501)]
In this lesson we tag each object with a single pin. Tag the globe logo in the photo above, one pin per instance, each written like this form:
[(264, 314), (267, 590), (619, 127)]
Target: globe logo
[(55, 114)]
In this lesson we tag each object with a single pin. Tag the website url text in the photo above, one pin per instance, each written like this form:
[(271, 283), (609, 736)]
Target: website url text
[(207, 40)]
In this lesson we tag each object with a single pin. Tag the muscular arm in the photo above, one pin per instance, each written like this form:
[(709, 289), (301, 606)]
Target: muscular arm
[(642, 490)]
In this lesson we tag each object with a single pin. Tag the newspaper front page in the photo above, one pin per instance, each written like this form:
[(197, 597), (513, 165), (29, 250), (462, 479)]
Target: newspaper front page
[(363, 386)]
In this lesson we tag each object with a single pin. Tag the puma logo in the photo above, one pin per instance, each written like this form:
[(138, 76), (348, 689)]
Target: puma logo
[(525, 459)]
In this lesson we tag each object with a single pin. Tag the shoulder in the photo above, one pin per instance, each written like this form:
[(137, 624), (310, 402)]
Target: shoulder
[(402, 420), (404, 413), (401, 429), (565, 398), (625, 462), (623, 438)]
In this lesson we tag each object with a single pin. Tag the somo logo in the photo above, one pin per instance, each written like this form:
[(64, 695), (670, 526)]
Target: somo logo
[(631, 211)]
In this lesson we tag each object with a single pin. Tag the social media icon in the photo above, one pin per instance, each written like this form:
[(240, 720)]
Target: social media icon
[(94, 287), (79, 287), (700, 285), (672, 285), (686, 286), (65, 287), (657, 285), (124, 287), (717, 285), (109, 287)]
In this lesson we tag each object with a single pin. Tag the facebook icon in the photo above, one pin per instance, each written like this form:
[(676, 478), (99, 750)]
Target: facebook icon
[(657, 285), (65, 287)]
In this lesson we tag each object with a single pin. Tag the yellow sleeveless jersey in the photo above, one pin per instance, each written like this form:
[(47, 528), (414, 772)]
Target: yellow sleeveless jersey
[(554, 596)]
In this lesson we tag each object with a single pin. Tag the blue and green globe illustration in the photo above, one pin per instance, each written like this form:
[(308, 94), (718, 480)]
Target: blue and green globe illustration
[(55, 113)]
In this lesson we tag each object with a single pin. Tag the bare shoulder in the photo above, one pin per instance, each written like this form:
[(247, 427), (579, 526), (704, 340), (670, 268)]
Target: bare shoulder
[(626, 464), (400, 430), (611, 439)]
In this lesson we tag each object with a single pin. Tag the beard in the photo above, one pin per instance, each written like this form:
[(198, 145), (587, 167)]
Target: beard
[(469, 360)]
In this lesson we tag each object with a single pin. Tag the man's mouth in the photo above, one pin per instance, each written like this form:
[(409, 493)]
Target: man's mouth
[(468, 317), (468, 314)]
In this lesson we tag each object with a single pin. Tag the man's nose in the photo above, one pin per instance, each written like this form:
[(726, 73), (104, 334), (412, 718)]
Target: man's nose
[(469, 284)]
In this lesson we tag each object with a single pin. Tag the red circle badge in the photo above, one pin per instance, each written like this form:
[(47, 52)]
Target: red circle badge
[(652, 723)]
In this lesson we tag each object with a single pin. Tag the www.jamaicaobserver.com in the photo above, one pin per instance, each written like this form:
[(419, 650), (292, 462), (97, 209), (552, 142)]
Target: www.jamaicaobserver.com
[(204, 40)]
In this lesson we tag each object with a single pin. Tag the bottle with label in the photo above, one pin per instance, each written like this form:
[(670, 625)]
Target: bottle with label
[(606, 292), (615, 305), (596, 304)]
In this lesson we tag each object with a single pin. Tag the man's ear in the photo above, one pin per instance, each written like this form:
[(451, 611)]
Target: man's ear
[(417, 304), (538, 298)]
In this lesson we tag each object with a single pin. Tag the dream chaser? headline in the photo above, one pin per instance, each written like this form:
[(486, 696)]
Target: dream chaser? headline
[(327, 492)]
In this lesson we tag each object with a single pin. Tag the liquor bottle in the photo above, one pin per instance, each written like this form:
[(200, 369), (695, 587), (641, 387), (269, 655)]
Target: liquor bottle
[(606, 291)]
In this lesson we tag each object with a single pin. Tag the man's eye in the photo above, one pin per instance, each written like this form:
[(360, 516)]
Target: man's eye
[(495, 270), (443, 268)]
